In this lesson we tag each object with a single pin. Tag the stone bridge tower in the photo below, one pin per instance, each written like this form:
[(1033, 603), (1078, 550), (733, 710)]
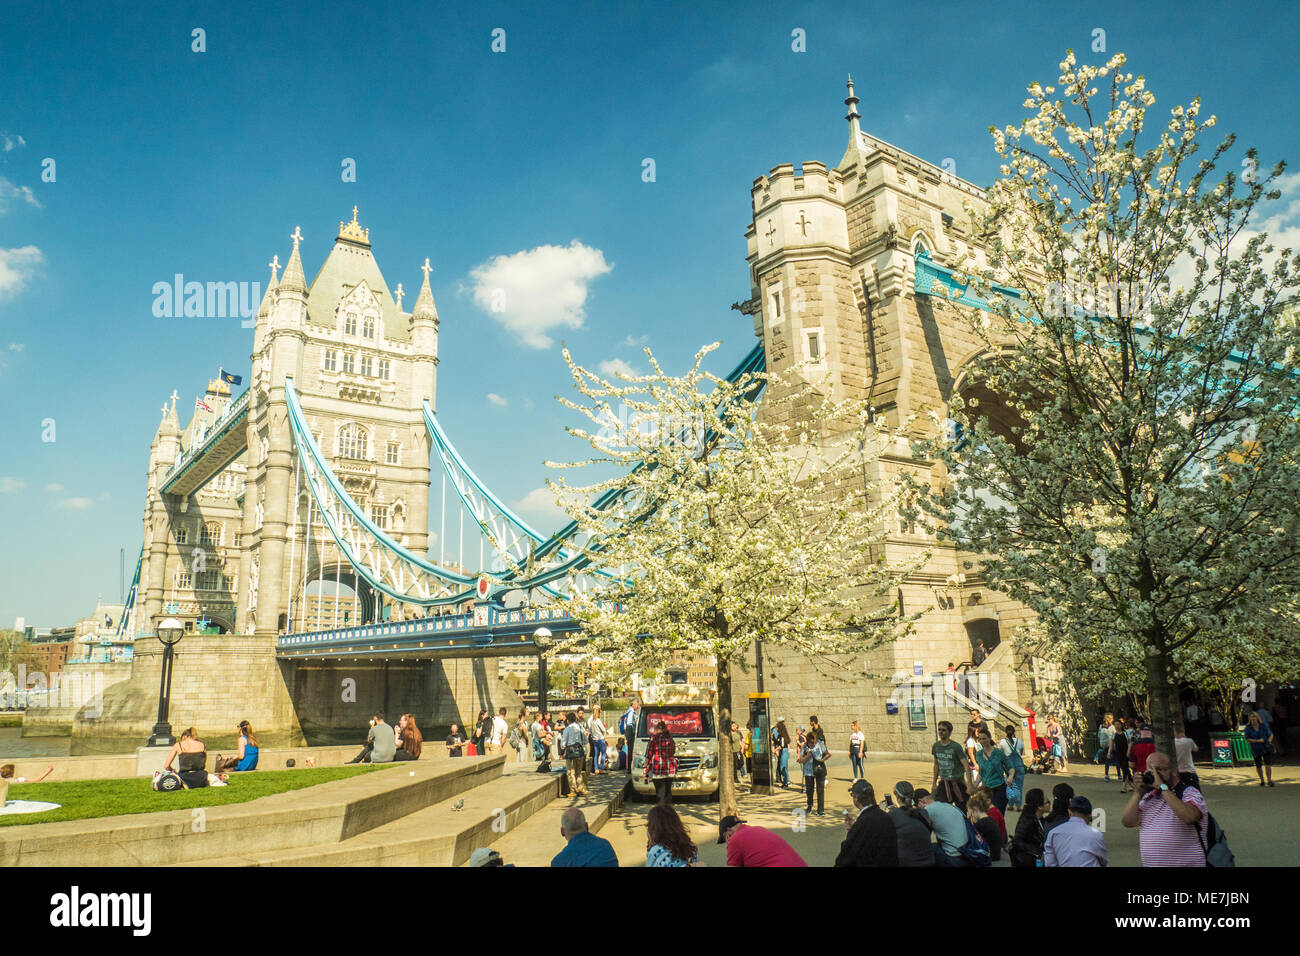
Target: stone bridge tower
[(362, 369), (831, 261)]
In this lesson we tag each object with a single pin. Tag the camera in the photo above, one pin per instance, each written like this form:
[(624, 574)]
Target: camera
[(1148, 778), (889, 800)]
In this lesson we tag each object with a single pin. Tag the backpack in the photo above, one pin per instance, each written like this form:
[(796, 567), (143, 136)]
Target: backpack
[(514, 739), (1215, 844), (167, 781), (976, 850)]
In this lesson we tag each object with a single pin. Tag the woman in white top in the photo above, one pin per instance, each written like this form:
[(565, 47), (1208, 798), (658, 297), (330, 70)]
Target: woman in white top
[(857, 750), (599, 746), (971, 746)]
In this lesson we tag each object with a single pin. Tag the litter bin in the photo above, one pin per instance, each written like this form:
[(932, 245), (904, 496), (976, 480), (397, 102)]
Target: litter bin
[(1090, 745), (1241, 747)]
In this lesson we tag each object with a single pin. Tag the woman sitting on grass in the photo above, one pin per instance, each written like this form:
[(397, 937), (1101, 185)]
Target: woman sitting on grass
[(193, 757), (246, 758)]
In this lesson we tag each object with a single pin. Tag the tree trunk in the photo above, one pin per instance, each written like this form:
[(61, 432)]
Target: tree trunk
[(1162, 696), (726, 762)]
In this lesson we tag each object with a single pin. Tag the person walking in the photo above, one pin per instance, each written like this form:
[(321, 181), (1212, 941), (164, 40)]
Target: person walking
[(500, 731), (627, 727), (599, 745), (1143, 747), (871, 839), (1057, 735), (857, 749), (1184, 747), (1260, 739), (781, 744), (1171, 817), (1105, 731), (1014, 748), (995, 770), (813, 760), (1076, 842), (574, 742), (951, 772), (737, 752), (912, 826), (661, 763), (667, 842), (1026, 847), (1119, 756)]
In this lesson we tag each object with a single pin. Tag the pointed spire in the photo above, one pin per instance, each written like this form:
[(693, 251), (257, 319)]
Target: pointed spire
[(424, 307), (855, 130), (170, 425), (269, 298), (293, 280)]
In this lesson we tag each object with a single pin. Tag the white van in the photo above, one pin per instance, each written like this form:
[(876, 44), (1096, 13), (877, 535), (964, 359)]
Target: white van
[(691, 716)]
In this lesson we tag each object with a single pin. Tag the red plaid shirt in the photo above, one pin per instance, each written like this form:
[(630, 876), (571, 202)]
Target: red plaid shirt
[(661, 757)]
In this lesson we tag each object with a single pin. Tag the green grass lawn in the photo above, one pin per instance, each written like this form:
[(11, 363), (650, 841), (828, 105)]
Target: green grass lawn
[(82, 799)]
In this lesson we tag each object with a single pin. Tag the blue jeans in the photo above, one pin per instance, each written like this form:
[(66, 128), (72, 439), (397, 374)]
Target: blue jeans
[(856, 759), (599, 748), (783, 768)]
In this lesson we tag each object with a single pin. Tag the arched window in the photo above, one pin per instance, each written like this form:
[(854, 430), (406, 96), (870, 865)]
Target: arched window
[(211, 534), (920, 244), (354, 442), (368, 327), (350, 324)]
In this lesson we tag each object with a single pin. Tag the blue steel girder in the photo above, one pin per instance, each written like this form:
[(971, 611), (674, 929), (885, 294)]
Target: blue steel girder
[(383, 563)]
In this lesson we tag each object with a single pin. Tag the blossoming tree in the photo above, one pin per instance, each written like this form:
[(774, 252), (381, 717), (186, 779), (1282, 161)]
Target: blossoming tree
[(1140, 492), (733, 521)]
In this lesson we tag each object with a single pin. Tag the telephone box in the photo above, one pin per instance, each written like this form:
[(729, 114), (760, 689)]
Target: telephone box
[(760, 733)]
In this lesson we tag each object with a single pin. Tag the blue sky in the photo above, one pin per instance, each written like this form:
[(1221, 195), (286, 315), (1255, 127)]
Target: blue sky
[(173, 161)]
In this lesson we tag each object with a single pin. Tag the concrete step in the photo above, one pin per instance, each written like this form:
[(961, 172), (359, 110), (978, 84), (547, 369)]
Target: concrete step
[(536, 841), (439, 835), (326, 814)]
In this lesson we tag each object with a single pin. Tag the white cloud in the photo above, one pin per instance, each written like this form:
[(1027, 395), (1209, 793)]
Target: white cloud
[(54, 487), (16, 346), (11, 486), (496, 399), (17, 266), (540, 508), (613, 367), (636, 342), (12, 142), (537, 290), (75, 504), (9, 191)]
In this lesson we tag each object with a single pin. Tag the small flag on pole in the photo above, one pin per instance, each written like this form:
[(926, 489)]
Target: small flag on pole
[(230, 378), (200, 403)]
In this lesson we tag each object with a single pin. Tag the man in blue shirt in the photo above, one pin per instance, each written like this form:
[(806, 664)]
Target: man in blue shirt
[(585, 848)]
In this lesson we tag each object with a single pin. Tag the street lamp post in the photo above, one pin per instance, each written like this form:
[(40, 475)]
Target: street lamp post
[(170, 632), (542, 638)]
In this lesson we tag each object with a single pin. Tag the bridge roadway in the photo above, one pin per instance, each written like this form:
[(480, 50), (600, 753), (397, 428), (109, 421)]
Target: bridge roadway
[(489, 631)]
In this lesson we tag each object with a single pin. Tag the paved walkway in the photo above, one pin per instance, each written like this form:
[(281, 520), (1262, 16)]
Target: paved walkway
[(1262, 824)]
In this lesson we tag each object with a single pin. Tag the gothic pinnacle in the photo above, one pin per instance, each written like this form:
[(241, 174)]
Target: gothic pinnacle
[(293, 280)]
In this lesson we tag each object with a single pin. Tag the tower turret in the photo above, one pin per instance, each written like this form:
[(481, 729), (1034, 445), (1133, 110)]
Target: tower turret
[(424, 341)]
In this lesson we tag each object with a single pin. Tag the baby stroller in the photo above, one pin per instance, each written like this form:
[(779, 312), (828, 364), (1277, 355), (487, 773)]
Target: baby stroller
[(1042, 761)]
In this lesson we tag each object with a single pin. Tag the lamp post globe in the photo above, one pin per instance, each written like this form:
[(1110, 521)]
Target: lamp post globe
[(170, 631)]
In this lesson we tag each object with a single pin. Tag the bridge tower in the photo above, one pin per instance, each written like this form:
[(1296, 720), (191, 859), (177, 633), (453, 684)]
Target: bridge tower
[(831, 256), (362, 369)]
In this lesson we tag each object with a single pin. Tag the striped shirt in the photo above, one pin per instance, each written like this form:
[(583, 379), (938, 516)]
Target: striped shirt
[(1166, 840)]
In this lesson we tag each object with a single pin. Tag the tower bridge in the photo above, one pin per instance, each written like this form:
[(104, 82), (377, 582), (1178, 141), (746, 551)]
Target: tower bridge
[(293, 520)]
